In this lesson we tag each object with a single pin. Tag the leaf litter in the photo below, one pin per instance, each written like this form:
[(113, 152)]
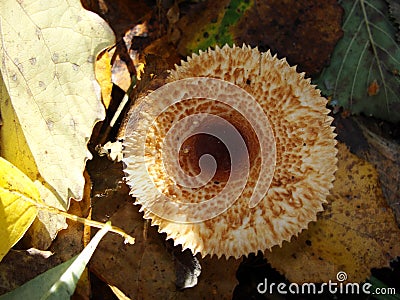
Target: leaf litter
[(212, 271)]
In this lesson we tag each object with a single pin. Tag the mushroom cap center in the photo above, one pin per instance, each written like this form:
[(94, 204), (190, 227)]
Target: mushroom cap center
[(198, 145)]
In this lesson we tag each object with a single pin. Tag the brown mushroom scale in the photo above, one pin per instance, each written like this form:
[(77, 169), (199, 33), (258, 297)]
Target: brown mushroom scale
[(299, 152)]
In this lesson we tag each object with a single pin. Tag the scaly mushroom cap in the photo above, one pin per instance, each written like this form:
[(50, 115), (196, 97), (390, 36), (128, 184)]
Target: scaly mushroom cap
[(289, 152)]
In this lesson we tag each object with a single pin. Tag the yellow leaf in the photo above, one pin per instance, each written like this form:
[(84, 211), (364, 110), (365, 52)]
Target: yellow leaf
[(16, 213), (50, 99), (103, 76), (355, 233)]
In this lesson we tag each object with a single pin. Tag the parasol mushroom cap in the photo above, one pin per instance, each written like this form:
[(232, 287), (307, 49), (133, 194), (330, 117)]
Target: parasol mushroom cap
[(284, 161)]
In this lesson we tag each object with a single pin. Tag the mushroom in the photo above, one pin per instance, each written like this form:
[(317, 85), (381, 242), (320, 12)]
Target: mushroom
[(234, 154)]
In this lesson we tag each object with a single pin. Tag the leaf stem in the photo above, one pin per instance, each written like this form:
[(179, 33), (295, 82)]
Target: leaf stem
[(41, 206)]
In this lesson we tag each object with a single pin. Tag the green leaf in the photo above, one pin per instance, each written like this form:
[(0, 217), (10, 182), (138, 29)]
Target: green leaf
[(394, 9), (218, 33), (60, 282), (364, 72)]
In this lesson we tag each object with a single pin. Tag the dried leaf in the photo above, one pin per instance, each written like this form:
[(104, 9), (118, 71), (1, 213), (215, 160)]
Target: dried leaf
[(384, 154), (54, 96), (187, 269), (371, 142), (367, 52), (33, 262), (356, 232), (217, 279), (120, 14), (141, 271), (16, 213), (303, 31), (146, 270)]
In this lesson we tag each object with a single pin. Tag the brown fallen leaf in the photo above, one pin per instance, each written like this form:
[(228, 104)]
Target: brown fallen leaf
[(305, 31), (145, 270), (356, 232), (217, 279), (375, 141), (120, 14), (20, 266), (141, 270), (384, 154), (70, 241), (127, 61)]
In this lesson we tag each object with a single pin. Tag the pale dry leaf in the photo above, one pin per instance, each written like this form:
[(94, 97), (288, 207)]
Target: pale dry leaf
[(11, 138), (47, 53)]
